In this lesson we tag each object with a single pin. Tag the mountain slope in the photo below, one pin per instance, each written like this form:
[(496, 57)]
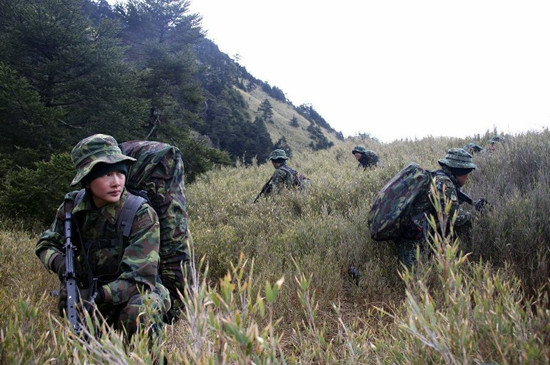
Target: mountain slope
[(234, 96)]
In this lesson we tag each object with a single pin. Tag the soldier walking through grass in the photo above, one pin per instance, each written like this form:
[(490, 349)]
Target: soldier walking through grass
[(284, 176), (118, 276), (455, 167), (366, 158)]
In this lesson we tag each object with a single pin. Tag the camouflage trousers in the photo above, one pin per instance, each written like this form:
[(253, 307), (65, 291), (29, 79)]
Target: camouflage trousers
[(174, 272), (140, 311), (406, 250)]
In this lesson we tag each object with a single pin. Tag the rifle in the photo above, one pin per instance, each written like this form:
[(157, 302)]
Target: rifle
[(264, 188), (70, 277), (463, 197)]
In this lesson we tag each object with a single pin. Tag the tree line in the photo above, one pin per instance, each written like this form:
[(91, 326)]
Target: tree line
[(138, 70)]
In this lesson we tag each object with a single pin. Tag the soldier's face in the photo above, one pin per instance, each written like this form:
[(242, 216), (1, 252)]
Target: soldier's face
[(107, 188), (357, 155), (462, 179)]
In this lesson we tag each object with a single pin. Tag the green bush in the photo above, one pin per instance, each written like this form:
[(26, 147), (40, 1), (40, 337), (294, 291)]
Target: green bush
[(35, 194)]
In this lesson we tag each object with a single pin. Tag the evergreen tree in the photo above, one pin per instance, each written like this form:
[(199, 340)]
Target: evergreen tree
[(266, 111), (161, 37), (320, 141), (73, 65), (28, 131), (283, 145)]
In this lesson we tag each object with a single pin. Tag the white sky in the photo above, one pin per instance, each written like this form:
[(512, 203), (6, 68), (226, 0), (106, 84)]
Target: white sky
[(397, 68)]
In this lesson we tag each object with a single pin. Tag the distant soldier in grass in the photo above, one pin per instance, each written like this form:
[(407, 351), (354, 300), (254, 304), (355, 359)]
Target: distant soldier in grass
[(366, 158), (455, 167), (473, 148), (493, 143), (115, 275), (284, 176)]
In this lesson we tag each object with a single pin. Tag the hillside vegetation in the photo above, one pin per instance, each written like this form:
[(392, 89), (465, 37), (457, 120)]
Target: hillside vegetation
[(139, 70), (271, 283)]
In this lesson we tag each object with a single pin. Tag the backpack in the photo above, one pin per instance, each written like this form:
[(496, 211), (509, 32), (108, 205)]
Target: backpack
[(387, 216), (299, 180), (157, 175)]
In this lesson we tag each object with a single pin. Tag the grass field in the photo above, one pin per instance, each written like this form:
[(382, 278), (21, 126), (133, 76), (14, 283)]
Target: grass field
[(271, 278)]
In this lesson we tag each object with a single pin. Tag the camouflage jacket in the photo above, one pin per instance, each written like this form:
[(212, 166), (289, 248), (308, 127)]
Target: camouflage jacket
[(122, 270), (282, 178), (368, 159), (447, 186)]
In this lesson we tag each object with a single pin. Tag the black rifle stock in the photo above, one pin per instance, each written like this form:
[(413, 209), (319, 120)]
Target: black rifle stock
[(70, 277), (463, 197), (479, 205), (264, 188)]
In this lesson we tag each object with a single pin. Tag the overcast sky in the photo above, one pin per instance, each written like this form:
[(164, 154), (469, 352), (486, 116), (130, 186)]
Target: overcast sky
[(397, 68)]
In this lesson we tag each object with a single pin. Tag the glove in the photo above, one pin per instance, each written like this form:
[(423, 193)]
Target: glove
[(58, 266), (480, 205), (62, 302)]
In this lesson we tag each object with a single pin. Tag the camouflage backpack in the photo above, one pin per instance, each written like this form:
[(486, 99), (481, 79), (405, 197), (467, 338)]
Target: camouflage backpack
[(393, 202), (299, 180), (157, 175)]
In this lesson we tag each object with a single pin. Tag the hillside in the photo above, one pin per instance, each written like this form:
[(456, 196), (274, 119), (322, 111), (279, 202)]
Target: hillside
[(298, 138), (139, 70), (221, 76)]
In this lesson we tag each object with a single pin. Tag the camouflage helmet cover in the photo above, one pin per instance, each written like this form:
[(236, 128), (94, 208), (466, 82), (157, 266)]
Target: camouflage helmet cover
[(95, 149), (278, 154), (359, 148), (472, 146), (496, 139), (457, 158)]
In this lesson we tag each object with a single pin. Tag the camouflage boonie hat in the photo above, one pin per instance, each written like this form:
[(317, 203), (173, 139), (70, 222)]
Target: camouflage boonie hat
[(496, 139), (278, 154), (359, 148), (93, 150), (473, 147), (458, 158)]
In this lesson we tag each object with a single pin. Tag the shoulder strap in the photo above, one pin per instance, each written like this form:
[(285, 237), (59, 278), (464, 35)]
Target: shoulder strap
[(77, 199), (79, 196), (288, 169), (128, 213)]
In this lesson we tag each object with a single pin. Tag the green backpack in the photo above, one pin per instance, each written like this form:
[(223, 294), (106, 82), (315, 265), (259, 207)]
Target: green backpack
[(157, 175), (387, 216)]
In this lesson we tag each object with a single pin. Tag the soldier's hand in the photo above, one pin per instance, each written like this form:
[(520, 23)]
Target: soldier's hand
[(480, 205), (62, 301), (58, 266)]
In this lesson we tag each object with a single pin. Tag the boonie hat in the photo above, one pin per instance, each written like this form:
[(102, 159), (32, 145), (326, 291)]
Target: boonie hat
[(359, 148), (496, 139), (472, 146), (278, 154), (95, 149), (457, 158)]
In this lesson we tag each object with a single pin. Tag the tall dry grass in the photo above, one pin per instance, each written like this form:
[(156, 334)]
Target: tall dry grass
[(271, 282)]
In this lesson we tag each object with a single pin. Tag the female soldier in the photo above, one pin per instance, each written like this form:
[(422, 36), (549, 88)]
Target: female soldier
[(118, 274)]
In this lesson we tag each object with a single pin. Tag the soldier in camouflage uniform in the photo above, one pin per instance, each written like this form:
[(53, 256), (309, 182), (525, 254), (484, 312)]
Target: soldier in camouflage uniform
[(126, 272), (493, 141), (473, 148), (283, 176), (366, 158), (455, 168)]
